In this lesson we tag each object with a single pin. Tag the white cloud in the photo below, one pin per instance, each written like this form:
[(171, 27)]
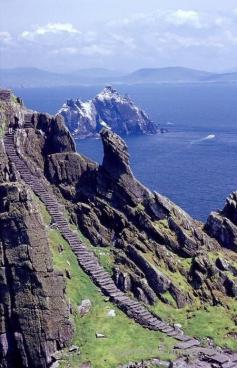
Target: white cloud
[(96, 49), (124, 41), (184, 18), (148, 38), (172, 40), (50, 28), (230, 37), (66, 51), (5, 37), (86, 50)]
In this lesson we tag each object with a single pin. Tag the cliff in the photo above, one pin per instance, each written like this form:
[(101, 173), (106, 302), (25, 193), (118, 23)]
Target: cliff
[(222, 225), (148, 233), (152, 249), (108, 108), (35, 317), (33, 308)]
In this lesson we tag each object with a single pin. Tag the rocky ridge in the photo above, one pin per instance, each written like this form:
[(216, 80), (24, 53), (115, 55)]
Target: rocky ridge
[(35, 319), (108, 108), (153, 242), (148, 233), (34, 312), (222, 225)]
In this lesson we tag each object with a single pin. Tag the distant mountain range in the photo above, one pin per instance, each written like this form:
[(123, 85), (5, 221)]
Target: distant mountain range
[(33, 77)]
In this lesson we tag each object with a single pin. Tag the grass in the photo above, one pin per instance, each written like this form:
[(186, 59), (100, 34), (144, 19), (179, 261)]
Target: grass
[(126, 341), (3, 120), (216, 322), (176, 277)]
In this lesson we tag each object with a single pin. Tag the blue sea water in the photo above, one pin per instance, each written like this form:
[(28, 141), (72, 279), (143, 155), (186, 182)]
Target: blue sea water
[(194, 172)]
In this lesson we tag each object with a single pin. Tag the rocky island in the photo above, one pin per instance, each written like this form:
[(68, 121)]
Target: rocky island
[(110, 109), (95, 266)]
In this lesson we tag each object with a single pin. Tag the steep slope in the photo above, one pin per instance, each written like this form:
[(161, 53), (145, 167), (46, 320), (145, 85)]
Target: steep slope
[(149, 235), (153, 250), (108, 108), (33, 309), (35, 320), (222, 225)]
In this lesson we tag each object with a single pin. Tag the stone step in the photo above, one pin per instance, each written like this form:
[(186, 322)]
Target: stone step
[(230, 364), (166, 329), (182, 337), (111, 287), (187, 344), (173, 333), (220, 358), (89, 263), (97, 272), (86, 258), (80, 250), (122, 298), (116, 295), (144, 313), (155, 321), (159, 326)]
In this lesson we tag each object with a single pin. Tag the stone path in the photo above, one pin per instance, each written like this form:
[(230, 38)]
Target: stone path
[(89, 263)]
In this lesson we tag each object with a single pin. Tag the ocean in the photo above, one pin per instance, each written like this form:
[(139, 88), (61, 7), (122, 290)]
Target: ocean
[(194, 164)]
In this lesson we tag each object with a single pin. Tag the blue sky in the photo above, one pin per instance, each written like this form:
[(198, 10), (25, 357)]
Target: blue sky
[(123, 35)]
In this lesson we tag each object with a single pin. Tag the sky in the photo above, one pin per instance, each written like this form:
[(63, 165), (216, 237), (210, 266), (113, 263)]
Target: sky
[(123, 35)]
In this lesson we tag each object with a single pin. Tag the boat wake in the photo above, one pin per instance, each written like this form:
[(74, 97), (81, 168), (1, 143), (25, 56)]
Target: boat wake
[(207, 138)]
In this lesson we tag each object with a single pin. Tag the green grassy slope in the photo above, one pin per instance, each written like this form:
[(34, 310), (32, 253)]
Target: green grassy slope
[(126, 341)]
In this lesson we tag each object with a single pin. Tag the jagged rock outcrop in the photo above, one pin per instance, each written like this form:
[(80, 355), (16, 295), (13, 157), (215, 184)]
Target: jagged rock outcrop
[(85, 119), (222, 225), (49, 136), (148, 234), (34, 314), (112, 208)]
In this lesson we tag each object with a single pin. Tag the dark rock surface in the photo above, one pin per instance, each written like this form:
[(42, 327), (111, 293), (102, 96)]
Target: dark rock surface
[(108, 108), (158, 252), (34, 315), (222, 225), (112, 208), (148, 233)]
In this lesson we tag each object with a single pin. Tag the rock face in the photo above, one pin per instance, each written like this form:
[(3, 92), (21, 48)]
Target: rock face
[(222, 225), (34, 315), (108, 108), (149, 236), (157, 251), (113, 209)]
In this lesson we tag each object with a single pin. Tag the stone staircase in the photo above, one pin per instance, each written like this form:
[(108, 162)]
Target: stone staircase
[(89, 263)]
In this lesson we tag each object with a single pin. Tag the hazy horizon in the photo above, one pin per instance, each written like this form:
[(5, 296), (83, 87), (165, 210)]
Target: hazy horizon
[(116, 71)]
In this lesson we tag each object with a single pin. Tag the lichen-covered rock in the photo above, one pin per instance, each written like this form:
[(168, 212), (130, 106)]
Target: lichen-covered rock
[(45, 135), (113, 208), (222, 225), (33, 312), (149, 235)]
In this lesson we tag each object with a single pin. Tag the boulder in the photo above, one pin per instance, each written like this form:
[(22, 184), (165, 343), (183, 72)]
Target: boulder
[(85, 307)]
